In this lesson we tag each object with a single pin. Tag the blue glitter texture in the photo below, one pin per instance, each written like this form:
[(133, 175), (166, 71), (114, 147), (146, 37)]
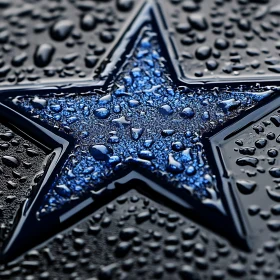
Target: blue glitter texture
[(142, 118)]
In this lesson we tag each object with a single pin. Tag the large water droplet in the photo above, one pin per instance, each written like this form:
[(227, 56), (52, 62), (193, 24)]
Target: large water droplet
[(174, 166), (246, 186), (43, 55), (61, 29), (100, 152)]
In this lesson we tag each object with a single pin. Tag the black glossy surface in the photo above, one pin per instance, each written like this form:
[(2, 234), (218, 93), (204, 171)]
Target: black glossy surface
[(141, 227)]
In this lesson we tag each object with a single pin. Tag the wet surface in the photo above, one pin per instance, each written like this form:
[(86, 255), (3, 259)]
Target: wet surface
[(142, 118), (145, 175), (54, 41), (22, 165), (249, 154), (223, 40)]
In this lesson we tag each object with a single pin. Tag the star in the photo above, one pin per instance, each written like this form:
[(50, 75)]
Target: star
[(142, 129)]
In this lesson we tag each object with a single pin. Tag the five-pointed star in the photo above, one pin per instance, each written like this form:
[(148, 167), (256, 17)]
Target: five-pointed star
[(142, 125)]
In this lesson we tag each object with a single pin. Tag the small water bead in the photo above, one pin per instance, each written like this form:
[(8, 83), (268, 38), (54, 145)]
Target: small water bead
[(100, 152), (63, 190), (88, 22), (43, 55), (167, 132), (133, 103), (203, 52), (145, 154), (105, 99), (177, 146), (187, 113), (230, 104), (261, 143), (270, 136), (205, 116), (166, 110), (61, 30), (102, 113), (187, 155), (113, 139), (272, 153), (136, 133), (10, 161), (191, 170), (55, 108), (122, 121), (174, 166)]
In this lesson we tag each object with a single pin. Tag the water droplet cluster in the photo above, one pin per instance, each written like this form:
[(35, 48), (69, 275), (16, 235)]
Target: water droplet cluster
[(55, 40), (253, 162), (135, 237), (21, 168), (141, 120), (225, 39)]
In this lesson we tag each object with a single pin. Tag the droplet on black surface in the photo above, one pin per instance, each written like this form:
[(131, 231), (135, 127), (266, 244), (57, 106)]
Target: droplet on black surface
[(275, 172), (246, 186), (229, 104), (102, 113), (61, 30), (212, 64), (63, 190), (251, 161), (198, 22), (203, 52), (88, 22), (190, 6), (166, 110), (261, 143), (106, 36), (19, 59), (10, 161), (125, 5), (43, 55), (221, 44)]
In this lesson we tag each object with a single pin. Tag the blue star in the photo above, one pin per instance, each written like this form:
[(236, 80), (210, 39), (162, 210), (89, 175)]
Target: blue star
[(142, 121)]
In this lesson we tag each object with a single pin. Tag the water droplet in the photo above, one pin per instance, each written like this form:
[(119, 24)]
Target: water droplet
[(136, 133), (10, 161), (203, 52), (198, 22), (63, 190), (102, 113), (61, 30), (166, 110), (187, 113), (275, 172), (174, 166), (246, 186), (121, 121), (88, 22), (100, 152), (251, 161)]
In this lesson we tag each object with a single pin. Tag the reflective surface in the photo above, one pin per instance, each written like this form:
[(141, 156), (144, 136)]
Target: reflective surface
[(141, 171)]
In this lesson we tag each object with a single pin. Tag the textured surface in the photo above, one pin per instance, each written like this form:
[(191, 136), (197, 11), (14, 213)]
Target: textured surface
[(60, 40), (134, 237), (224, 39), (146, 119), (249, 155), (21, 166)]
